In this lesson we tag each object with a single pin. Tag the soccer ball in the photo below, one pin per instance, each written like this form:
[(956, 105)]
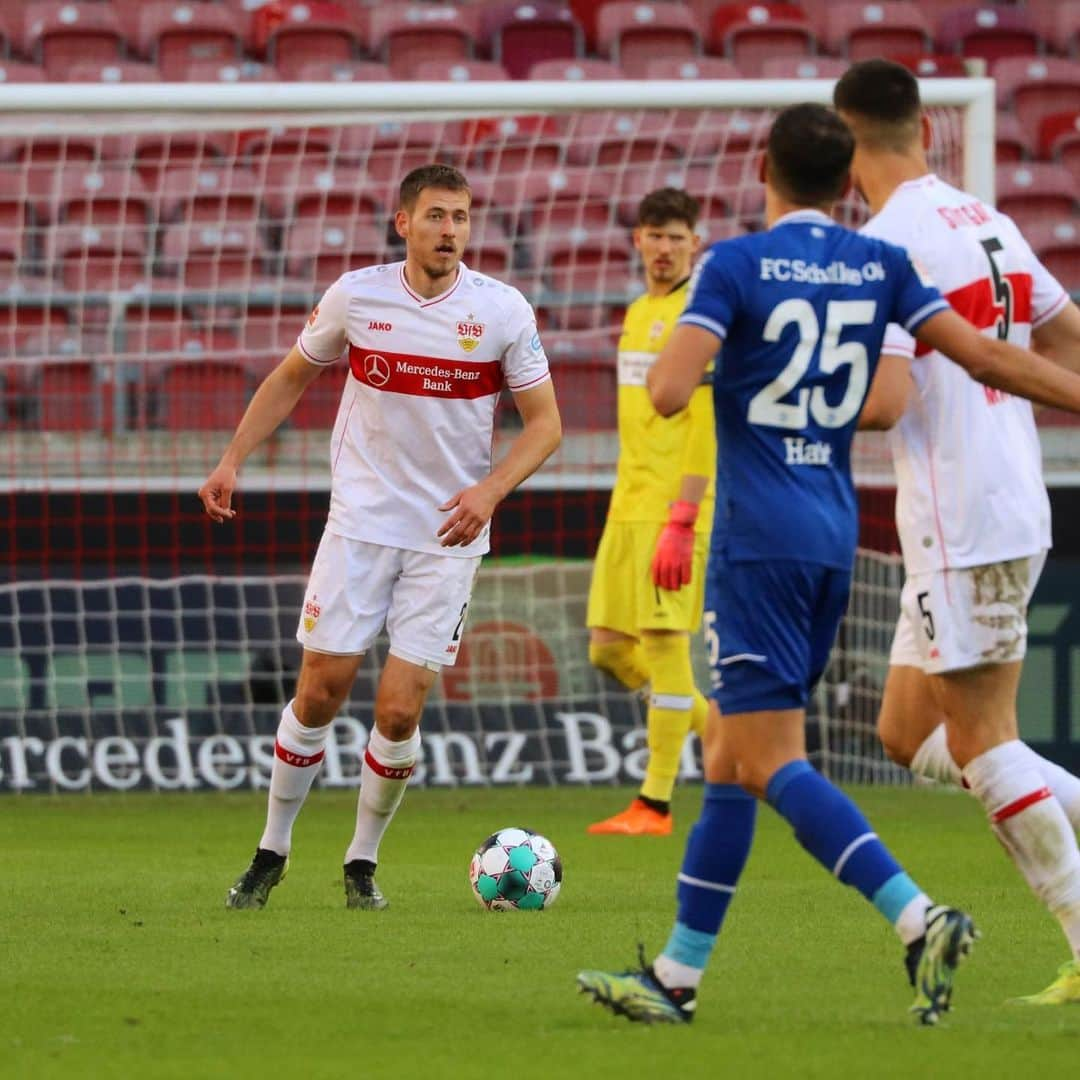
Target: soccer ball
[(516, 870)]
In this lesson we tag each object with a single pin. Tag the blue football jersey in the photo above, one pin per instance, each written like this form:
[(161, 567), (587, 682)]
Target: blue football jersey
[(801, 310)]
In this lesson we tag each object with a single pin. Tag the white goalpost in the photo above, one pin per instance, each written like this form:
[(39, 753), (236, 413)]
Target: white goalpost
[(160, 248)]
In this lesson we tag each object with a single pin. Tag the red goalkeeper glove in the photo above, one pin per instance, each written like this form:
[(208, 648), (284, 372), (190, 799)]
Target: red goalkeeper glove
[(673, 560)]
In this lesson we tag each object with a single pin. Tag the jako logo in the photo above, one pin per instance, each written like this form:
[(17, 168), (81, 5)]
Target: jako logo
[(384, 326)]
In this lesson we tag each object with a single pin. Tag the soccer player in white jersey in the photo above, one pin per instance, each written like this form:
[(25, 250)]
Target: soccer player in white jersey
[(971, 507), (430, 345)]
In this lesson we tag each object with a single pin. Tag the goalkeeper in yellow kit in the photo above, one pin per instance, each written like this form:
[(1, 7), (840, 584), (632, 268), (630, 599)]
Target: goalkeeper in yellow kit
[(648, 582)]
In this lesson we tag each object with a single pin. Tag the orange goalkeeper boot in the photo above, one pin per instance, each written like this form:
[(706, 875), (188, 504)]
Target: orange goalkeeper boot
[(638, 819)]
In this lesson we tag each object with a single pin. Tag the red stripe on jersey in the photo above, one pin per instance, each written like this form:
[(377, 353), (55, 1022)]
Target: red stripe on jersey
[(297, 760), (1021, 804), (977, 303), (390, 772), (424, 376)]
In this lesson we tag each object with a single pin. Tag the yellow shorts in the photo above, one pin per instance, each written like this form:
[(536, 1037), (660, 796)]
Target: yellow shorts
[(622, 595)]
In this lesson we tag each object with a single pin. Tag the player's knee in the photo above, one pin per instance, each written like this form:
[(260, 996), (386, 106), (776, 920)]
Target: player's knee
[(752, 778), (317, 702), (396, 719), (897, 747)]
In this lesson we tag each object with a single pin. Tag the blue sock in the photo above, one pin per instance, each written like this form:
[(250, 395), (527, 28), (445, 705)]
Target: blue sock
[(716, 852), (832, 828)]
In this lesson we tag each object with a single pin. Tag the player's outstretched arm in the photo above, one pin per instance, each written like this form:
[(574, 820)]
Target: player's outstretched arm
[(275, 398), (1058, 338), (677, 372), (1000, 364), (536, 442), (889, 394)]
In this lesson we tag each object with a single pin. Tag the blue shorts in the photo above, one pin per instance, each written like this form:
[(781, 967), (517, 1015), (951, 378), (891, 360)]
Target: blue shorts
[(769, 628)]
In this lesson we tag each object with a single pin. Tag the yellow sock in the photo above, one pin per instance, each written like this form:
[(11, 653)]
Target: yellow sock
[(699, 713), (671, 710), (624, 659)]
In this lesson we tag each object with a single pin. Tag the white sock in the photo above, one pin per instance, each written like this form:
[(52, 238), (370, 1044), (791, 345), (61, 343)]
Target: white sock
[(673, 973), (384, 777), (934, 761), (1033, 829), (911, 922), (298, 755)]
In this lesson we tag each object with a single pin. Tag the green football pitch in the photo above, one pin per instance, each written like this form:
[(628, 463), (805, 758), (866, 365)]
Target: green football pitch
[(118, 958)]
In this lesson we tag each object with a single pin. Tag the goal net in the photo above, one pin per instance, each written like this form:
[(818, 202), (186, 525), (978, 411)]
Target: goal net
[(160, 249)]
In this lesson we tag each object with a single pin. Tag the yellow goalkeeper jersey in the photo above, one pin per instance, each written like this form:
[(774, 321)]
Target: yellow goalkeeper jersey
[(656, 452)]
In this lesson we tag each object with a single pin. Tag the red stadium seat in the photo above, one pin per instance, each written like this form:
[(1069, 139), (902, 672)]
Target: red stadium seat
[(697, 67), (803, 67), (100, 196), (1057, 244), (489, 249), (570, 198), (1061, 26), (404, 36), (226, 71), (174, 33), (96, 258), (335, 71), (934, 65), (859, 31), (1034, 193), (1034, 87), (1012, 141), (204, 255), (212, 194), (11, 241), (585, 260), (318, 407), (633, 32), (391, 149), (516, 144), (202, 395), (520, 35), (114, 71), (59, 33), (290, 34), (459, 71), (15, 71), (320, 193), (750, 34), (617, 138), (69, 396), (320, 254), (988, 32), (1059, 140), (168, 149), (576, 70), (583, 372)]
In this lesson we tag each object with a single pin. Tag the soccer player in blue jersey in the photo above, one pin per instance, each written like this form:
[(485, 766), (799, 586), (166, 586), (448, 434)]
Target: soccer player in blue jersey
[(794, 317)]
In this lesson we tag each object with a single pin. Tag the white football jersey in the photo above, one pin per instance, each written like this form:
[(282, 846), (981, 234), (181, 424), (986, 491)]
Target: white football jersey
[(416, 420), (968, 460)]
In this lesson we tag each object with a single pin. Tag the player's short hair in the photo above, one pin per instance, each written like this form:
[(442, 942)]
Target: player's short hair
[(668, 204), (882, 99), (436, 175), (809, 152)]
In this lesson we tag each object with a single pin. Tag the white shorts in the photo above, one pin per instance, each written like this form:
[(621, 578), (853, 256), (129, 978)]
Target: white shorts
[(356, 588), (956, 619)]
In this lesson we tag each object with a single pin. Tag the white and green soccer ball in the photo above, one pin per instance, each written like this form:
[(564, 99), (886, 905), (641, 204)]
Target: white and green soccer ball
[(516, 870)]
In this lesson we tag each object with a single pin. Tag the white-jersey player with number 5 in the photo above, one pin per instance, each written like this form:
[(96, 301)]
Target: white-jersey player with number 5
[(430, 345), (971, 507)]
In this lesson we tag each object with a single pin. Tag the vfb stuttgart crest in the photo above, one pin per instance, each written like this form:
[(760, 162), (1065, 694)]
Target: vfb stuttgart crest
[(312, 611), (469, 334)]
